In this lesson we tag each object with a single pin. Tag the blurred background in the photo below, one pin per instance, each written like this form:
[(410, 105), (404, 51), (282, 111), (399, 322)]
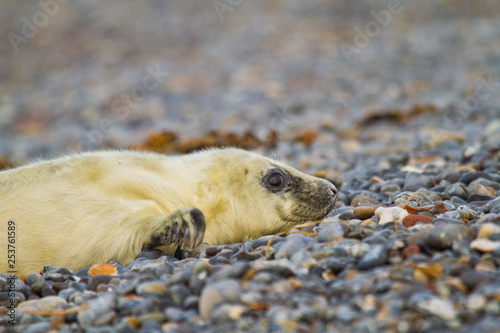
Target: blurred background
[(323, 85)]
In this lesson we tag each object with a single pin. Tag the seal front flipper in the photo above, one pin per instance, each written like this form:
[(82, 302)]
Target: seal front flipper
[(183, 227)]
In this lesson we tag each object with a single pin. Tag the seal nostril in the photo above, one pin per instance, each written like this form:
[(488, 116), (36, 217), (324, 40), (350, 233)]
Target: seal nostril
[(334, 191)]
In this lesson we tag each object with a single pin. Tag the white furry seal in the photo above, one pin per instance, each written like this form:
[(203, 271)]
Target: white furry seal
[(94, 207)]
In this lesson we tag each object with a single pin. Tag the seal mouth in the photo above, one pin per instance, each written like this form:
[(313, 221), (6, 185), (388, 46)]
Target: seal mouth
[(304, 212)]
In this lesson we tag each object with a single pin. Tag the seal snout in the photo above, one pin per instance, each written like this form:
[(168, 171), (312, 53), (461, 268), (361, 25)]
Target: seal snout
[(333, 189), (330, 189)]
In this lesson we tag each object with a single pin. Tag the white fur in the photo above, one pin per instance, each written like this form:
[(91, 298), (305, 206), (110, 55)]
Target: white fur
[(89, 208)]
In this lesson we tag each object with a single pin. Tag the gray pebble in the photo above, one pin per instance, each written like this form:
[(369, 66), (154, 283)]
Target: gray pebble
[(376, 256), (151, 254), (347, 215), (282, 268), (191, 302), (491, 204), (6, 296), (234, 271), (292, 245), (96, 280), (212, 294), (51, 303), (66, 293), (457, 189), (495, 210), (471, 176), (451, 175), (100, 312), (415, 180), (173, 314), (178, 293), (48, 291), (442, 237), (33, 278), (151, 287), (262, 241), (335, 265), (331, 232), (42, 327), (19, 286)]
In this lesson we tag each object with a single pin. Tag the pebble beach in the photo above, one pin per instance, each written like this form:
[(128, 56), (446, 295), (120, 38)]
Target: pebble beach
[(396, 103)]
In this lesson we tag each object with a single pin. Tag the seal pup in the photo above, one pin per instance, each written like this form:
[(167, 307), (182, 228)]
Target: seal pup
[(94, 207)]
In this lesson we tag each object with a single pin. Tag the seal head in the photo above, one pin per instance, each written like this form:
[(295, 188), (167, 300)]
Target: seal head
[(262, 196)]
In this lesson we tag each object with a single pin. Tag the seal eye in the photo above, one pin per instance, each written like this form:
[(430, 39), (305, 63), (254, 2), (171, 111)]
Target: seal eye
[(275, 180)]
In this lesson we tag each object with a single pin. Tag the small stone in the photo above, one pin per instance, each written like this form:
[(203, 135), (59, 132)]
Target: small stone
[(282, 268), (485, 218), (236, 271), (472, 279), (263, 241), (458, 190), (482, 190), (410, 250), (412, 219), (212, 294), (495, 210), (97, 280), (151, 316), (491, 204), (41, 327), (476, 302), (332, 231), (179, 293), (33, 278), (103, 269), (377, 256), (447, 220), (20, 286), (100, 312), (488, 229), (347, 215), (66, 293), (335, 265), (138, 263), (50, 303), (48, 291), (450, 175), (191, 302), (391, 188), (358, 285), (442, 237), (57, 274), (213, 250), (415, 180), (292, 245), (151, 288), (484, 245), (363, 199), (471, 176), (364, 212), (151, 254), (228, 312), (390, 214), (438, 307)]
